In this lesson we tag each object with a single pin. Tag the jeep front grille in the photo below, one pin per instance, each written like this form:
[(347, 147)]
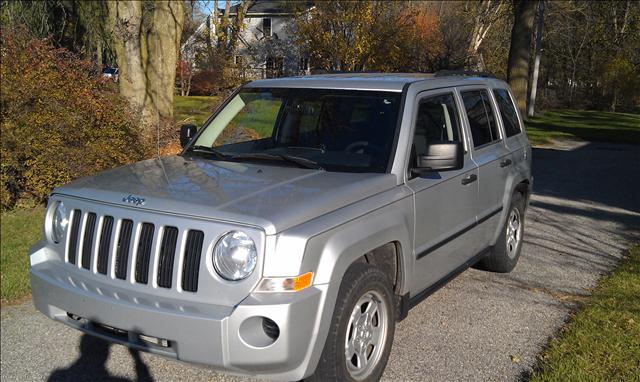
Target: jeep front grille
[(87, 244), (105, 244), (144, 253), (192, 260), (167, 254), (122, 252), (76, 216), (131, 245)]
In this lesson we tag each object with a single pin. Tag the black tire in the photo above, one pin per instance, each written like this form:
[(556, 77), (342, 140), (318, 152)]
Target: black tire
[(504, 257), (358, 282)]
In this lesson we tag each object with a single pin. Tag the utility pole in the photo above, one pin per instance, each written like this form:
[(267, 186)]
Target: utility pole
[(536, 64)]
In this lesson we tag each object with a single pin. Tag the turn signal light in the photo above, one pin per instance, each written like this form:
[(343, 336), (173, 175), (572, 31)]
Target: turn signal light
[(285, 284)]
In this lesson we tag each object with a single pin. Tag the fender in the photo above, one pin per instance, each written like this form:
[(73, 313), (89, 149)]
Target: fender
[(522, 174), (338, 248)]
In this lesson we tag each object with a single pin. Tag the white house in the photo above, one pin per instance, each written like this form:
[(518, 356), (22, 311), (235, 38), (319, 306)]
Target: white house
[(265, 47)]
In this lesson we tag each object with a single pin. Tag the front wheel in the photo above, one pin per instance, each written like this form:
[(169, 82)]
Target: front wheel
[(361, 334)]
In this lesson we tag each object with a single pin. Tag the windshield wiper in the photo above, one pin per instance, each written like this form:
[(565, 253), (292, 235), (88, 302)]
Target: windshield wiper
[(302, 162), (298, 161), (209, 150)]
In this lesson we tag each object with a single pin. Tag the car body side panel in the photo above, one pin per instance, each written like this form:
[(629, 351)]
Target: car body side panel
[(335, 240), (384, 218)]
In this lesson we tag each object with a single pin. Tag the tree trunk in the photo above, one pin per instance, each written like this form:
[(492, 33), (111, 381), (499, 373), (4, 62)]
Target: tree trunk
[(189, 76), (486, 13), (536, 64), (519, 51), (99, 59), (126, 19), (163, 44), (147, 52)]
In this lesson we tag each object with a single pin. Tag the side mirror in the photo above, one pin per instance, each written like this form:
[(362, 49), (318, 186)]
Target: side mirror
[(440, 156), (186, 133)]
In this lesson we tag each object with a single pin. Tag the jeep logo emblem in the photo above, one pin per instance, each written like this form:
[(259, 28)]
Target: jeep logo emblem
[(131, 199)]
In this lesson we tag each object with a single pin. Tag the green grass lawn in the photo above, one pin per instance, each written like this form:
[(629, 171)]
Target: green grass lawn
[(584, 125), (194, 109), (602, 341), (19, 230), (259, 116)]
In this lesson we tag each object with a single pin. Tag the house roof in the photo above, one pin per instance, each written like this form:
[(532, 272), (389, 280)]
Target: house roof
[(271, 7)]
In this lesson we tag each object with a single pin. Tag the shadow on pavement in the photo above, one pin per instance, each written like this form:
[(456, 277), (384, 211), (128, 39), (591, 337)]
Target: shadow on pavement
[(584, 213), (91, 365), (607, 174)]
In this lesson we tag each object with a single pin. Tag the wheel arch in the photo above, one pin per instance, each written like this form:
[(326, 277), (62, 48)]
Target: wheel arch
[(520, 185), (332, 252), (379, 241)]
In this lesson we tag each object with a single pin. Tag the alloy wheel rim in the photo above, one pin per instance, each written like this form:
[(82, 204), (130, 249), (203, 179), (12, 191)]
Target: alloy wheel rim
[(366, 335), (514, 233)]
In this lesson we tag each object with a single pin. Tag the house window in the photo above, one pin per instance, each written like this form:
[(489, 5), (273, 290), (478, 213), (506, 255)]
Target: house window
[(303, 65), (274, 67), (276, 63), (266, 27)]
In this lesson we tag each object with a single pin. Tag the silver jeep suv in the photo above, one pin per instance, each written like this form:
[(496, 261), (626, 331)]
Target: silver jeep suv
[(303, 220)]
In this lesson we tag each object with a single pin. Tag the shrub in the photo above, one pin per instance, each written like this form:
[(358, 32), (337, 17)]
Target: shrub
[(60, 120), (206, 83)]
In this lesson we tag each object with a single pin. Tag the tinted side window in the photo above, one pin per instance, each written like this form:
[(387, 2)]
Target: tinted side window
[(437, 120), (507, 112), (482, 122)]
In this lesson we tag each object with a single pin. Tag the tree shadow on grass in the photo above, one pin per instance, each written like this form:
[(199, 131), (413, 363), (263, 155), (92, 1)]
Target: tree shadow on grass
[(91, 365)]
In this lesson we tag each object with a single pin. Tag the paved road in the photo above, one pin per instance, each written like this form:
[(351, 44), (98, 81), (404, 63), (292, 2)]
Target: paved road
[(480, 327)]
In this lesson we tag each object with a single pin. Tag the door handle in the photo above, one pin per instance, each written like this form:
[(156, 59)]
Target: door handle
[(505, 163), (469, 179)]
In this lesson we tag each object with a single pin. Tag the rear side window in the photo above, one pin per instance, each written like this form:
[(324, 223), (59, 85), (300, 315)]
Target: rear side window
[(482, 122), (507, 112), (437, 121)]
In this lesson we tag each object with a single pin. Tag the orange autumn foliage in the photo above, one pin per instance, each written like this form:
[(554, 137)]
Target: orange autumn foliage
[(60, 120)]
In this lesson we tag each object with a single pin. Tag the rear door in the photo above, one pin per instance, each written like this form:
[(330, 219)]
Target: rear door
[(515, 138), (490, 153), (445, 201)]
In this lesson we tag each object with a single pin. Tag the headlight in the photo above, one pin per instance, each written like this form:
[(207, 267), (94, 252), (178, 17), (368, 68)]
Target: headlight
[(235, 256), (59, 222)]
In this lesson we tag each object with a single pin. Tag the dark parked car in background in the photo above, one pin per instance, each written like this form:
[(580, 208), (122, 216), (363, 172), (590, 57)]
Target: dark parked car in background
[(110, 73)]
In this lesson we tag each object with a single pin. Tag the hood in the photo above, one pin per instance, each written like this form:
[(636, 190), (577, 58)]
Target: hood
[(271, 197)]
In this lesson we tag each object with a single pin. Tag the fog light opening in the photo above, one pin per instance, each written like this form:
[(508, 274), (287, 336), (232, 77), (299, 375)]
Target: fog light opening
[(271, 329), (259, 332)]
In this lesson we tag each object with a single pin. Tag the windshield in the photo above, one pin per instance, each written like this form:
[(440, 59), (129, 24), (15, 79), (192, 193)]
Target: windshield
[(339, 130)]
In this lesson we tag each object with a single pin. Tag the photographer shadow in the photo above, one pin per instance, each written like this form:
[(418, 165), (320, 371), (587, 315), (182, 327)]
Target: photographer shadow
[(91, 365)]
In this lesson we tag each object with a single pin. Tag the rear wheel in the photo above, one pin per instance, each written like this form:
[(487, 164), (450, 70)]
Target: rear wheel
[(505, 254), (361, 334)]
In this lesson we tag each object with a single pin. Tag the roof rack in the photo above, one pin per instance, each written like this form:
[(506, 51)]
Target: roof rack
[(324, 71), (470, 73)]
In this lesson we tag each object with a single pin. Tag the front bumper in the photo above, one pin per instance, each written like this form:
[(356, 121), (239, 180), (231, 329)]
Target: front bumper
[(225, 338)]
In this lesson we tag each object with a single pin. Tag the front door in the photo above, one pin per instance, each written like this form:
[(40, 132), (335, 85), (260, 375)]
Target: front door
[(445, 201)]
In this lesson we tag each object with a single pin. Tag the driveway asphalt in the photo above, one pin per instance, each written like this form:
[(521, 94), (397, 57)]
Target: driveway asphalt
[(480, 327)]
